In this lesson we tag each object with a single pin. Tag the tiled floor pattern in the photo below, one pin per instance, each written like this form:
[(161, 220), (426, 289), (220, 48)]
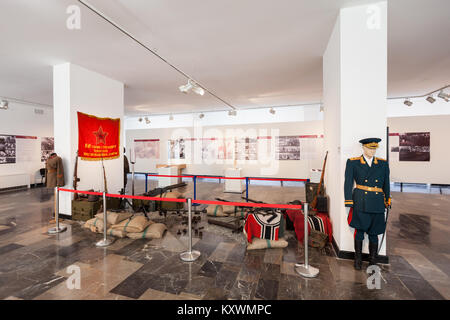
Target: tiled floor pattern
[(35, 265)]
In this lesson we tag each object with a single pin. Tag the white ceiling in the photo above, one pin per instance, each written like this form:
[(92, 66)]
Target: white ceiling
[(250, 53)]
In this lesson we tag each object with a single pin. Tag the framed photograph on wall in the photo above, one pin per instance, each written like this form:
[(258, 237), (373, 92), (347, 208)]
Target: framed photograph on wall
[(414, 146), (7, 149), (288, 148)]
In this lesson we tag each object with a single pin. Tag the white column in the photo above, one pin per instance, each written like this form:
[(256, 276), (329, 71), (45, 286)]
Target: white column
[(78, 89), (354, 95)]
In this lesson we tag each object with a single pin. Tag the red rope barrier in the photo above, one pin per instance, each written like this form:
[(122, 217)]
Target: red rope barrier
[(278, 179), (221, 177), (240, 204), (247, 204)]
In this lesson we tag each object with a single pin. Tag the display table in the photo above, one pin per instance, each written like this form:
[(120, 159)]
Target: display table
[(171, 170), (233, 185)]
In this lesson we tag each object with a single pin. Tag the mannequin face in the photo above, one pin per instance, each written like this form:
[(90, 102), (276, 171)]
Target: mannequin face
[(369, 153)]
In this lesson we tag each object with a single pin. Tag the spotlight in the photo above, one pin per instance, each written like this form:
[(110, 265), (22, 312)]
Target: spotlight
[(192, 85), (147, 120), (171, 117), (430, 99), (140, 119), (408, 102), (232, 113), (272, 111), (443, 95), (4, 104), (186, 87), (198, 90), (201, 115), (321, 107)]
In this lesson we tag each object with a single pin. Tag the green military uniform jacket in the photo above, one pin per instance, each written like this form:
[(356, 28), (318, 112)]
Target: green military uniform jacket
[(372, 191)]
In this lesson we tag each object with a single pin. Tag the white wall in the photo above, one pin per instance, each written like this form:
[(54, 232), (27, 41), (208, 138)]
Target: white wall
[(20, 119), (243, 117), (195, 165), (78, 89), (436, 170), (420, 107)]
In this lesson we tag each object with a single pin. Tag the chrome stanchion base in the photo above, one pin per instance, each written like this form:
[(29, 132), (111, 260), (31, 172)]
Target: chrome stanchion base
[(190, 256), (104, 243), (307, 272), (56, 230)]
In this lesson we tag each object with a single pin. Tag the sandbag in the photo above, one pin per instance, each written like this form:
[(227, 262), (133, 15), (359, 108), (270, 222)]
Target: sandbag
[(153, 231), (116, 233), (114, 217), (228, 209), (133, 224), (266, 244), (215, 211), (95, 225)]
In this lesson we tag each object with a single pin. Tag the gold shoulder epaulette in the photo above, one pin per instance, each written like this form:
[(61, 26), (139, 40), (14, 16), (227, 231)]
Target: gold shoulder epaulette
[(381, 159), (355, 158)]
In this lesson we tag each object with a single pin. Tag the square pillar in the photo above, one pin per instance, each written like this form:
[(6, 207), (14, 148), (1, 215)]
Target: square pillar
[(78, 89), (354, 97)]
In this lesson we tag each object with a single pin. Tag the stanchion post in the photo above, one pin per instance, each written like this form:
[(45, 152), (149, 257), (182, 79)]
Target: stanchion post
[(105, 241), (146, 182), (305, 269), (132, 178), (246, 188), (57, 228), (190, 255)]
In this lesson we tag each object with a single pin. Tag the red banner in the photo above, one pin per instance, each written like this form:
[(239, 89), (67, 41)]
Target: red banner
[(98, 138)]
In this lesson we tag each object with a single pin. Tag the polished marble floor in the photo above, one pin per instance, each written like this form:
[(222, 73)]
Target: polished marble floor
[(35, 265)]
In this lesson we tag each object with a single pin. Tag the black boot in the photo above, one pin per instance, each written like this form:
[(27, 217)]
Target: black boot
[(358, 254), (373, 250)]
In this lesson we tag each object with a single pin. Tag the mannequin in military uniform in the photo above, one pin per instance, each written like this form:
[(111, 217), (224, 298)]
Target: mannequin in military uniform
[(369, 199), (54, 171)]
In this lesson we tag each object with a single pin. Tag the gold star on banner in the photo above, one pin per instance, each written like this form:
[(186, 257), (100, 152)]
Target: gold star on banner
[(100, 135)]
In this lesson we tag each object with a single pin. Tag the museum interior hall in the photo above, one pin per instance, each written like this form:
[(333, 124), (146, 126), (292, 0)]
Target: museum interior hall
[(217, 150)]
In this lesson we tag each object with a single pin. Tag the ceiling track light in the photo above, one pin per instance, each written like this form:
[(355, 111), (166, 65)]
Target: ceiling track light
[(201, 115), (443, 95), (191, 85), (4, 105), (147, 120), (430, 99), (232, 113), (140, 120), (272, 111), (408, 102)]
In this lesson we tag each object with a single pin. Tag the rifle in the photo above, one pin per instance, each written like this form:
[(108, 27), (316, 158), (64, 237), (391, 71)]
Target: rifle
[(75, 178), (314, 202)]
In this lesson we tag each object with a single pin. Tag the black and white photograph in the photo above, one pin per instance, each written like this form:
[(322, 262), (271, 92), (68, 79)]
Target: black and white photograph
[(246, 149), (288, 148), (47, 147), (177, 149), (414, 146), (7, 149)]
